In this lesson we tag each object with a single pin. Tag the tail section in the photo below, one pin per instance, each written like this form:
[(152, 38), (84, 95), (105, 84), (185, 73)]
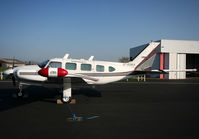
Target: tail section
[(144, 60)]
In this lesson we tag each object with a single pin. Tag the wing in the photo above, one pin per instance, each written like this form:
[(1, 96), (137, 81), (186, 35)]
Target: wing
[(84, 77)]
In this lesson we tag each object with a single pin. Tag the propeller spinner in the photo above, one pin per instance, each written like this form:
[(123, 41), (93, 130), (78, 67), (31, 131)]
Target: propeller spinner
[(53, 72)]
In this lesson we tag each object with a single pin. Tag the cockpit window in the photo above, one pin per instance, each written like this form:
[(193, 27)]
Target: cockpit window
[(43, 64), (54, 65), (111, 69)]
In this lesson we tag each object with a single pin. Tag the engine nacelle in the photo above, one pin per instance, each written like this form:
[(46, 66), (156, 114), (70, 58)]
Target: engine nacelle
[(53, 72)]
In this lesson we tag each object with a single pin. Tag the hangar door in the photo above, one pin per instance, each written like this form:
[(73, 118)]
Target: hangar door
[(192, 62)]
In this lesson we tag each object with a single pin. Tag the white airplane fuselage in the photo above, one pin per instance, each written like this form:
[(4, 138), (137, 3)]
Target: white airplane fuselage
[(92, 72)]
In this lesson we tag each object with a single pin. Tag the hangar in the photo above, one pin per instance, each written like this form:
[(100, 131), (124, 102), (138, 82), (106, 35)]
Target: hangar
[(4, 62), (173, 55)]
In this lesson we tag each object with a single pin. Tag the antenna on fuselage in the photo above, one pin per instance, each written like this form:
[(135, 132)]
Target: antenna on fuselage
[(66, 56), (91, 58)]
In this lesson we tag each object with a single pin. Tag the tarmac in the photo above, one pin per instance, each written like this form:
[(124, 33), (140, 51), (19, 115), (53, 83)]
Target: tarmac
[(132, 110)]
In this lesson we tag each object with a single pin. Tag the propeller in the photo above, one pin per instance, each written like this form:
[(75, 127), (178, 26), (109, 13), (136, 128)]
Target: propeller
[(13, 80), (13, 62), (9, 72), (12, 75)]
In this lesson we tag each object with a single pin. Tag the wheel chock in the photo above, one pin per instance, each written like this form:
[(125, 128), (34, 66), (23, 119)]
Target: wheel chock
[(59, 101), (73, 101)]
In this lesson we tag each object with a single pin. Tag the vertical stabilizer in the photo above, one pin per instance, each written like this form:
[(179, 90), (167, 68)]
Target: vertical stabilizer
[(145, 59)]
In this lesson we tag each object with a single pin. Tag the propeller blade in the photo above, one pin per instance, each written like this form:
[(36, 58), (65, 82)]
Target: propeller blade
[(13, 62), (13, 80)]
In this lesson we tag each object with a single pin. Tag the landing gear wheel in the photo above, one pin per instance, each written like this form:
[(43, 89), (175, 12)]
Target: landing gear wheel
[(20, 94), (66, 99)]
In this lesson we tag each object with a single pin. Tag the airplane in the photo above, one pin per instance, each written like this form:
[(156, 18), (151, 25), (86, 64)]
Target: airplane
[(62, 70)]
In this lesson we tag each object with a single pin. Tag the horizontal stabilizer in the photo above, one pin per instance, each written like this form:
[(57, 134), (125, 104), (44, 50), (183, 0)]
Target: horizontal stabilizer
[(141, 72), (183, 70), (166, 71)]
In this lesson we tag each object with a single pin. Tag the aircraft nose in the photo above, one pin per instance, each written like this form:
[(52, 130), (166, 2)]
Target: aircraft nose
[(15, 73), (8, 72)]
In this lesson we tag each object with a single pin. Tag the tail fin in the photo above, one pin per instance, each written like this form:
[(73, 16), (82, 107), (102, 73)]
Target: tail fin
[(145, 59)]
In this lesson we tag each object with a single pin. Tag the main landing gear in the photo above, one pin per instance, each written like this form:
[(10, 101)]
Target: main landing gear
[(66, 90), (66, 93)]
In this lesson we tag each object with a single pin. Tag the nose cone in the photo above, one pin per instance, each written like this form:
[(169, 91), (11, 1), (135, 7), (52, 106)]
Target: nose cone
[(8, 72), (43, 72)]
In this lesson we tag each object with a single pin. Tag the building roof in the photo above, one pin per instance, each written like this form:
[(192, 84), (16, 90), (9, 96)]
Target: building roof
[(10, 61), (171, 46)]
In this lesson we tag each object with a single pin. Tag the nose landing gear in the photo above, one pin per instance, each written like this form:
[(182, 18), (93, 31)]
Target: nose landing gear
[(20, 94)]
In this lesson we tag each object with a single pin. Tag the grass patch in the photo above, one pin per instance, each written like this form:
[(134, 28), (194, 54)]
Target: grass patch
[(3, 69)]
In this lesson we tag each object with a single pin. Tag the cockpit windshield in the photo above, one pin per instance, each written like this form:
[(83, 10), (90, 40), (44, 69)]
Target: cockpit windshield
[(43, 64)]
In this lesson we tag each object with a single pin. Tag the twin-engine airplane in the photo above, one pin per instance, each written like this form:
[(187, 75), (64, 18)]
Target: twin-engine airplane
[(62, 70)]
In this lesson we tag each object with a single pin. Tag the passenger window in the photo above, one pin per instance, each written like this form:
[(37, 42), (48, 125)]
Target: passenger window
[(55, 65), (99, 68), (71, 66), (111, 69), (86, 67)]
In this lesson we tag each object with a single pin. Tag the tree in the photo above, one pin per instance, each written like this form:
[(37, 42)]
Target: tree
[(124, 59)]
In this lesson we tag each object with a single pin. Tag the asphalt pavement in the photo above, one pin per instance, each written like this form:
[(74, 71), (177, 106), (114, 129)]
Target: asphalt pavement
[(126, 110)]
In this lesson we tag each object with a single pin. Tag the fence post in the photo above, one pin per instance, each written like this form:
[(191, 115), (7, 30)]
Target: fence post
[(1, 75), (144, 78)]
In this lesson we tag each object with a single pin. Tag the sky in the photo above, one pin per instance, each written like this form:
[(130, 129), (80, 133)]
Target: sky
[(37, 30)]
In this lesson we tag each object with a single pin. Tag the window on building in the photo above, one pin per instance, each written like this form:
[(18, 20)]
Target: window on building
[(99, 68), (54, 65), (71, 66), (86, 67), (111, 69)]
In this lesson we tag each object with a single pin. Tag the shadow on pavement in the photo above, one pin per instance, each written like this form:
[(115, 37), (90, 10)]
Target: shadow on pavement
[(8, 99)]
